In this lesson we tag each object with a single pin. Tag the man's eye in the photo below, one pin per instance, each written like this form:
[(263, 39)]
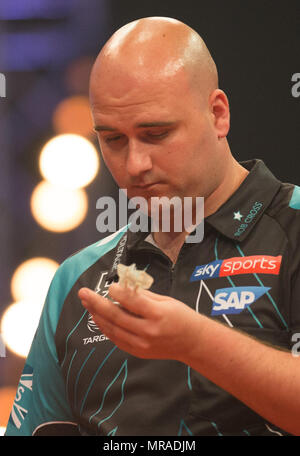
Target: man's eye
[(158, 135), (113, 138)]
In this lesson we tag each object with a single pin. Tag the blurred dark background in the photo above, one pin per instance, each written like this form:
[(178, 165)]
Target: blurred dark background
[(46, 51)]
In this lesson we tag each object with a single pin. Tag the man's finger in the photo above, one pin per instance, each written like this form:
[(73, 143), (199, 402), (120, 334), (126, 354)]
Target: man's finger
[(90, 300), (138, 301), (109, 313), (122, 337)]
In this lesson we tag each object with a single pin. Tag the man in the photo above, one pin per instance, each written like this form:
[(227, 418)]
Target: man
[(206, 351)]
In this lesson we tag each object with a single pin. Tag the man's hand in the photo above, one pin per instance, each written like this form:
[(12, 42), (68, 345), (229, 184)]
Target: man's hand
[(149, 325), (146, 324)]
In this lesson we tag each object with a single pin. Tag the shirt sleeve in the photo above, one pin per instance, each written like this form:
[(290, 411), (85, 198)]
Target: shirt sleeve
[(295, 281), (41, 405), (295, 315), (40, 399)]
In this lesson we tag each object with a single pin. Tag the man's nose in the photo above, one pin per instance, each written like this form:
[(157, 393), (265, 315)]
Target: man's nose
[(138, 158)]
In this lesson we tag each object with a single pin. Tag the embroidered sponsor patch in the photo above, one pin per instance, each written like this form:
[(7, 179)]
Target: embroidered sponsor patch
[(259, 264), (234, 300), (249, 218)]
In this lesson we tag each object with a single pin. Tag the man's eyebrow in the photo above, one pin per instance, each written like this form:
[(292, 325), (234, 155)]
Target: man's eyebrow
[(140, 125), (155, 124), (103, 128)]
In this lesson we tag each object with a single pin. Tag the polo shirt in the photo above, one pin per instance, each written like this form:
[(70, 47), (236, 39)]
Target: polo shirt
[(244, 274)]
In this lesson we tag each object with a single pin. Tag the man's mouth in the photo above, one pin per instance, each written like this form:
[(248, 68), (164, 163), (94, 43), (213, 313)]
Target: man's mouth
[(146, 186)]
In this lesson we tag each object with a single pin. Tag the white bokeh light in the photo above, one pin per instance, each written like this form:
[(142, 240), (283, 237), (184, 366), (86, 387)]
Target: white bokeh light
[(57, 209), (18, 325), (69, 161), (32, 278)]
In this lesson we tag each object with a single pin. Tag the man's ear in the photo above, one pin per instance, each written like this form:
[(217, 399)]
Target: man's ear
[(219, 106)]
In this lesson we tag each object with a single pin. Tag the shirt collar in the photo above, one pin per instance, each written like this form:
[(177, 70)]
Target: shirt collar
[(131, 241), (237, 217)]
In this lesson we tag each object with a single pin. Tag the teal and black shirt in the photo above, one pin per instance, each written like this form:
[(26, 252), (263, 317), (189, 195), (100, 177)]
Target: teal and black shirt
[(245, 273)]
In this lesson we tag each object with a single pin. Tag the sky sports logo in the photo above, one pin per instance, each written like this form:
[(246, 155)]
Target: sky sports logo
[(259, 264)]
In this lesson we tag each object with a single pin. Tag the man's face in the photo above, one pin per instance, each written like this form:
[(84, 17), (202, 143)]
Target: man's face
[(157, 138)]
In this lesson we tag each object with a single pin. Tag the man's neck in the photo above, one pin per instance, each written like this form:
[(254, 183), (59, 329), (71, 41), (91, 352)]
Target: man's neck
[(170, 243), (231, 182)]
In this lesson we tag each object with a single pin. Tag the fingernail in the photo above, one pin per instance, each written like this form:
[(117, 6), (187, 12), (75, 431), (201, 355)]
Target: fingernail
[(84, 293)]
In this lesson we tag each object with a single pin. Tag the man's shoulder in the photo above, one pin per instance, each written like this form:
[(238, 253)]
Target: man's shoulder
[(285, 209), (82, 259), (77, 264)]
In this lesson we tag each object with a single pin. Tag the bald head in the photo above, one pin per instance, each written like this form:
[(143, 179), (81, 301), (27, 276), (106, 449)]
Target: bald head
[(155, 48)]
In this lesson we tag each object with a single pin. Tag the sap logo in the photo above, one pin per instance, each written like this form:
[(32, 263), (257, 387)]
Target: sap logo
[(235, 300), (24, 390)]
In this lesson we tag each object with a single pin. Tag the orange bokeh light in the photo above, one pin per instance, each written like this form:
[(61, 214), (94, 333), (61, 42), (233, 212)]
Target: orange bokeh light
[(7, 395), (73, 115)]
